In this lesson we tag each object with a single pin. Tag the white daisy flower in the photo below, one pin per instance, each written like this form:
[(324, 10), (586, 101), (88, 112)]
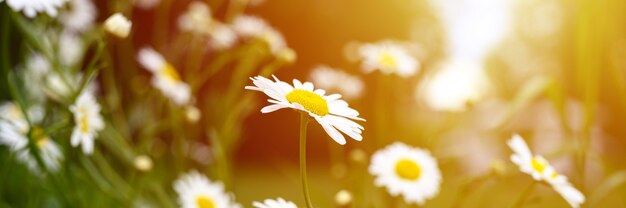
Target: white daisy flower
[(332, 113), (196, 191), (222, 36), (49, 151), (80, 16), (165, 78), (118, 25), (13, 127), (197, 19), (271, 203), (88, 121), (30, 8), (338, 80), (541, 170), (14, 133), (389, 58), (407, 171), (71, 48), (534, 165), (254, 27)]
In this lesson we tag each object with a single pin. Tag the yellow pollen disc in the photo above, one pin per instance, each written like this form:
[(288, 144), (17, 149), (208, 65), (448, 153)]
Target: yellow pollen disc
[(83, 124), (408, 170), (309, 100), (42, 142), (387, 60), (538, 165), (169, 72), (205, 202), (554, 175)]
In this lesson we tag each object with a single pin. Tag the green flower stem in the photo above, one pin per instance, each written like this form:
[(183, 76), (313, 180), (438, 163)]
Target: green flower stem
[(522, 197), (304, 120)]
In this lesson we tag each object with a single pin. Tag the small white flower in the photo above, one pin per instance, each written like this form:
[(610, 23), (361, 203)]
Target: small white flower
[(332, 113), (197, 19), (88, 121), (254, 27), (30, 8), (407, 171), (143, 163), (196, 191), (71, 49), (271, 203), (343, 198), (80, 17), (337, 80), (13, 127), (118, 25), (541, 170), (14, 131), (165, 78), (389, 58), (222, 36), (534, 165)]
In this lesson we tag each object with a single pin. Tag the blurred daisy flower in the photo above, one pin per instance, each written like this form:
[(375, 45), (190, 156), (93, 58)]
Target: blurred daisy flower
[(389, 58), (255, 27), (72, 49), (88, 121), (338, 80), (118, 25), (407, 171), (332, 113), (198, 20), (165, 78), (30, 8), (271, 203), (80, 16), (196, 191), (541, 170), (14, 130)]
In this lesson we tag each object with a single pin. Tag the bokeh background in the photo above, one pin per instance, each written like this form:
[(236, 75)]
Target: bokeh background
[(553, 71)]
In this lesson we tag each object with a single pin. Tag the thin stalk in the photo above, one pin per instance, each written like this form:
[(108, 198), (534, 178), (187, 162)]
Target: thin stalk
[(522, 197), (304, 120)]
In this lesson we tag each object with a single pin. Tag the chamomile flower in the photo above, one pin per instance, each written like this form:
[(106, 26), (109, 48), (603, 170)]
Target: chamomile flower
[(254, 27), (30, 8), (338, 80), (88, 121), (165, 78), (80, 17), (14, 131), (71, 50), (196, 191), (271, 203), (49, 151), (407, 171), (13, 127), (534, 165), (541, 170), (389, 58), (222, 36), (197, 19), (118, 25), (332, 113)]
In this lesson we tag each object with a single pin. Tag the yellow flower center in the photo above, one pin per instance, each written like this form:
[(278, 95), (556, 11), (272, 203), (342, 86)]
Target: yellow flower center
[(387, 60), (169, 72), (554, 175), (205, 202), (42, 142), (408, 170), (538, 165), (83, 124), (309, 100)]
